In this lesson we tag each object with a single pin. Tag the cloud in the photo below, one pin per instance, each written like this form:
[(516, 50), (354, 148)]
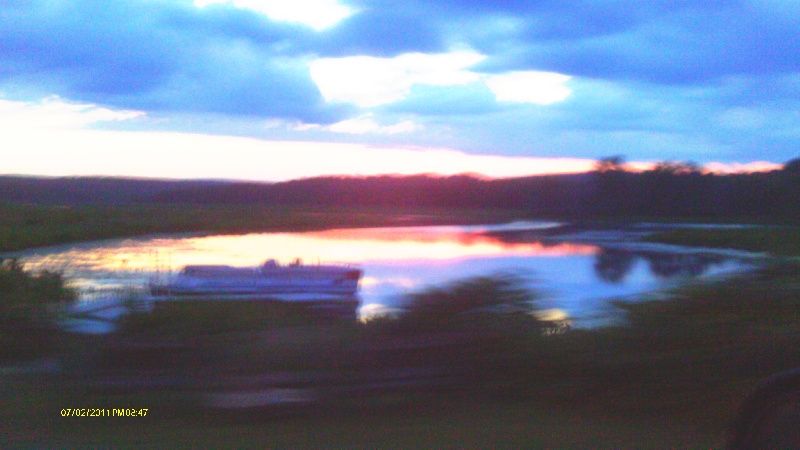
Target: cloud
[(672, 43), (655, 80), (542, 88), (369, 81), (383, 32), (441, 102), (58, 138), (158, 56), (54, 113), (318, 14), (755, 166), (63, 46), (365, 124)]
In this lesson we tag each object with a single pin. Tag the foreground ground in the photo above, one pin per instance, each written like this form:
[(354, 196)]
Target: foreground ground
[(670, 377), (432, 423)]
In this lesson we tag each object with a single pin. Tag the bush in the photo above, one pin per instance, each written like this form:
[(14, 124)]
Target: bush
[(29, 304), (484, 305)]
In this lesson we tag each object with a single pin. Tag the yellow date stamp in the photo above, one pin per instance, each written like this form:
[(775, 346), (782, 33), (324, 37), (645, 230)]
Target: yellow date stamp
[(104, 412)]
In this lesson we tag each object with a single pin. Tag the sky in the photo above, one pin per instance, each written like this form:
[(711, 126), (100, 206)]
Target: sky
[(274, 89)]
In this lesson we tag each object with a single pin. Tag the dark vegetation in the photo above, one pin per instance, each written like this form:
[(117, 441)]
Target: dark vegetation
[(669, 190), (26, 226), (490, 305), (89, 190), (46, 211), (779, 241), (29, 304)]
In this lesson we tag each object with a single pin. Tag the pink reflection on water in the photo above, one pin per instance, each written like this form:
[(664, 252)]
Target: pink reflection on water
[(403, 246), (355, 248)]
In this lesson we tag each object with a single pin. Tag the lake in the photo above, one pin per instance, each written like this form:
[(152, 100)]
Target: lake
[(576, 275)]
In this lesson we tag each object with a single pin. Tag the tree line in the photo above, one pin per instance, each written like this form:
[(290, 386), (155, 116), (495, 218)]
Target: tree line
[(669, 189)]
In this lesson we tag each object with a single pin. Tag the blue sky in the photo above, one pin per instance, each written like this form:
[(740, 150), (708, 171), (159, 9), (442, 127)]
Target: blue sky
[(267, 89)]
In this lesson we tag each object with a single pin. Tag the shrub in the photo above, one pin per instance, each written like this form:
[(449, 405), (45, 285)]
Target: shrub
[(29, 304), (485, 304)]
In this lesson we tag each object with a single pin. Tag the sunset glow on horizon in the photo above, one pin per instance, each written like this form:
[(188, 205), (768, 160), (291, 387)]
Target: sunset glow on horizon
[(69, 148), (233, 158)]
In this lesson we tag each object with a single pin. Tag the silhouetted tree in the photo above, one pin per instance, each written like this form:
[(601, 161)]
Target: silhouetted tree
[(612, 192), (792, 167), (669, 189), (610, 164)]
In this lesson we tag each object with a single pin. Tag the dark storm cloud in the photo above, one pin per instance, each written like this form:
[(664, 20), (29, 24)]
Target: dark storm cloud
[(159, 56), (86, 49), (382, 33), (127, 51), (660, 42)]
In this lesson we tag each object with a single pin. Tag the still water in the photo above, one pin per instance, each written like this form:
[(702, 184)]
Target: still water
[(576, 279)]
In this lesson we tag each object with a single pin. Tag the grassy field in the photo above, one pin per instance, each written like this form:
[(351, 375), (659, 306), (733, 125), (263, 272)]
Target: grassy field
[(445, 423), (28, 226), (777, 241)]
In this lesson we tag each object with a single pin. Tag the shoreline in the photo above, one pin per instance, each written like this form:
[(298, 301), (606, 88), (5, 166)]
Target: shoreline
[(630, 237)]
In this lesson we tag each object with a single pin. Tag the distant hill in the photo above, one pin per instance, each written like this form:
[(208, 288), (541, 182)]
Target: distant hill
[(414, 190), (89, 190), (666, 191)]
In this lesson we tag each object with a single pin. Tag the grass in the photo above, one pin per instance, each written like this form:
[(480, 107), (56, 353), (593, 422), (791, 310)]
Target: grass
[(29, 305), (776, 241), (188, 318), (29, 226), (450, 423)]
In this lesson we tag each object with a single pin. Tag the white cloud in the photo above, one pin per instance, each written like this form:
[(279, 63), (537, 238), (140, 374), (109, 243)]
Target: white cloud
[(542, 88), (360, 125), (755, 166), (54, 113), (296, 125), (365, 124), (318, 14), (368, 81)]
